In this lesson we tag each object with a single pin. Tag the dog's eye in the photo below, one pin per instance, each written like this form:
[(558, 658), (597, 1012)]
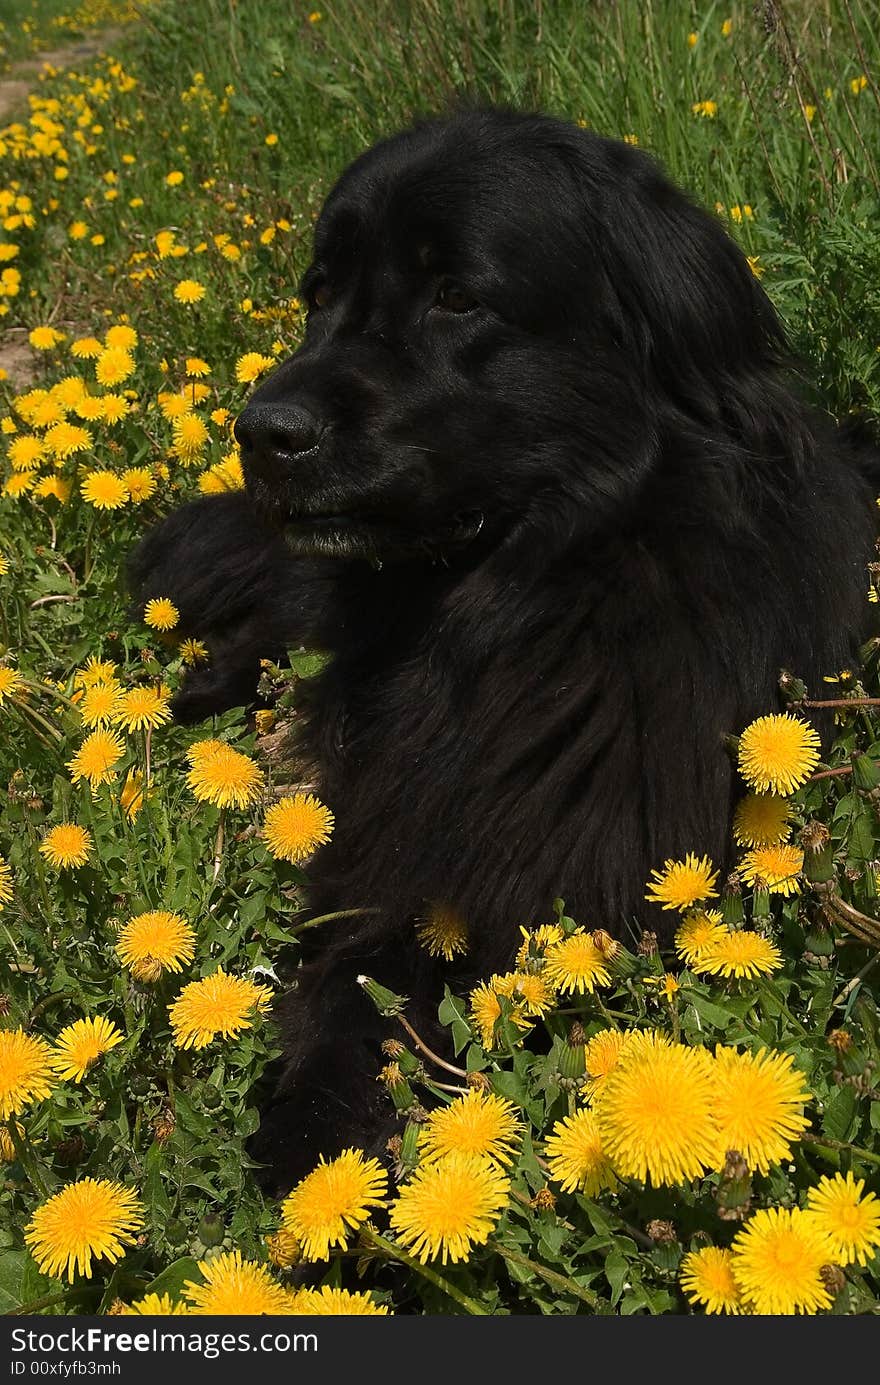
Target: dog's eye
[(452, 298), (319, 297)]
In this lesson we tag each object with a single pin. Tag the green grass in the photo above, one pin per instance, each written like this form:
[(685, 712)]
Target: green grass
[(258, 118)]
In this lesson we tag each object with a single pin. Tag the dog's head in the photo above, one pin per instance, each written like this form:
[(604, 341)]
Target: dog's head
[(499, 308)]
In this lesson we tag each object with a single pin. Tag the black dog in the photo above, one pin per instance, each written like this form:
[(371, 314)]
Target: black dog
[(539, 483)]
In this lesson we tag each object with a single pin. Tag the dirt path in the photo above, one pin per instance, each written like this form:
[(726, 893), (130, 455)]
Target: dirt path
[(16, 357)]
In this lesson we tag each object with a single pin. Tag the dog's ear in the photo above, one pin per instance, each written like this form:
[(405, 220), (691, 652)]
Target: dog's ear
[(681, 289)]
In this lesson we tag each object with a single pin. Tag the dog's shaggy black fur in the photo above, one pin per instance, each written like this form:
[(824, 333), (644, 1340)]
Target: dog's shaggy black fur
[(539, 481)]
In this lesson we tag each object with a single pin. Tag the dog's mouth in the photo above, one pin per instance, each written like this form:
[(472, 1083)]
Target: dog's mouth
[(358, 534)]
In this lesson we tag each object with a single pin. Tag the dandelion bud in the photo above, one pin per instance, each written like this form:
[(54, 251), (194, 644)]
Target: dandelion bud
[(572, 1061), (409, 1146), (792, 689), (577, 1034), (818, 866), (734, 1196), (866, 773), (732, 911), (398, 1088), (211, 1230), (648, 944), (760, 901), (176, 1232), (544, 1200), (385, 1001), (392, 1048), (607, 945), (662, 1233), (833, 1278), (479, 1081), (840, 1040), (284, 1248)]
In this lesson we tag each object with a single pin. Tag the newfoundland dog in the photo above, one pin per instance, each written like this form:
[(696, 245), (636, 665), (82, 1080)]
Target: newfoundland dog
[(540, 483)]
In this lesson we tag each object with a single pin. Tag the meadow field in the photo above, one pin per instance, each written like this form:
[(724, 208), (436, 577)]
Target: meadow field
[(157, 191)]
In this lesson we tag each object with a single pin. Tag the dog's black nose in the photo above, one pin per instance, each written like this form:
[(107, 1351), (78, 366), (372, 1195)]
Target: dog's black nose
[(274, 435)]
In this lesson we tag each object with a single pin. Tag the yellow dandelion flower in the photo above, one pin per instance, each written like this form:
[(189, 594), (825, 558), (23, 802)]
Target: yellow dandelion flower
[(758, 1104), (295, 827), (655, 1111), (140, 483), (601, 1056), (443, 933), (25, 452), (251, 366), (45, 338), (486, 1012), (336, 1303), (66, 845), (26, 1073), (189, 291), (5, 882), (173, 406), (740, 953), (64, 440), (334, 1200), (114, 365), (92, 1217), (97, 757), (155, 942), (707, 1279), (200, 751), (226, 778), (121, 336), (778, 753), (98, 703), (190, 436), (283, 1248), (155, 1306), (761, 819), (235, 1288), (682, 884), (174, 178), (86, 348), (777, 1262), (576, 964), (80, 1045), (779, 868), (849, 1220), (196, 368), (536, 941), (193, 652), (707, 109), (218, 1004), (534, 994), (222, 477), (449, 1206), (161, 613), (11, 683), (698, 931), (105, 490), (131, 799), (114, 408), (18, 484), (54, 486), (7, 1145), (576, 1155), (95, 671), (142, 707), (478, 1123)]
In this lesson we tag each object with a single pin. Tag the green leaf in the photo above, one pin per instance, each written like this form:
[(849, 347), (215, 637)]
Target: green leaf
[(174, 1276), (839, 1120)]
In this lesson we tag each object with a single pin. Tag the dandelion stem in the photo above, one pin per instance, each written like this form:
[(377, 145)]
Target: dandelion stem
[(843, 1145), (330, 918), (558, 1281), (218, 846), (854, 981), (28, 1160), (429, 1053), (394, 1252)]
